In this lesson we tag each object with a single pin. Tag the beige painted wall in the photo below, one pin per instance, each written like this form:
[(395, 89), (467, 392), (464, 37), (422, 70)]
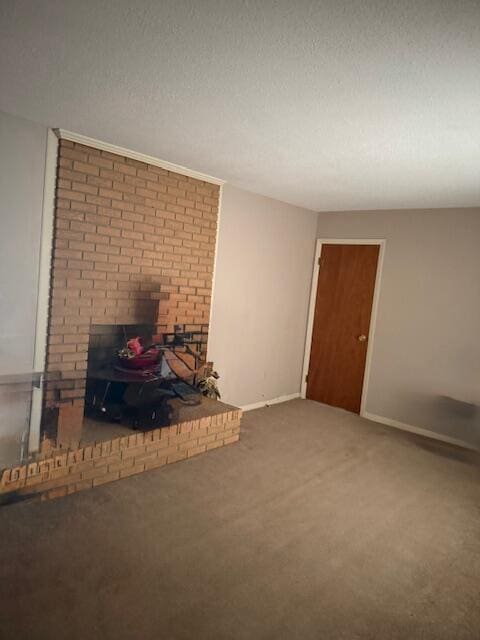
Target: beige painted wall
[(260, 300), (426, 356)]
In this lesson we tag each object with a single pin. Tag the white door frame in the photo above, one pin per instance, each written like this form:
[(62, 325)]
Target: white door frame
[(373, 317), (43, 297)]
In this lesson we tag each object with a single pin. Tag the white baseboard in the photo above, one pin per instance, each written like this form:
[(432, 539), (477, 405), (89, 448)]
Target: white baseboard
[(418, 430), (267, 403)]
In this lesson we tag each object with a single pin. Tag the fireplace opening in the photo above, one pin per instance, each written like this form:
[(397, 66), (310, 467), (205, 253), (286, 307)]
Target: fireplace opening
[(132, 378)]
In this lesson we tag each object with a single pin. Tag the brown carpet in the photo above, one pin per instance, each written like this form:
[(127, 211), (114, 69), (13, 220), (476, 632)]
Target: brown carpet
[(317, 525)]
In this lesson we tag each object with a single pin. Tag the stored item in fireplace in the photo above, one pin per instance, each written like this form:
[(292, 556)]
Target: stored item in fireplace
[(135, 356), (138, 385), (208, 385)]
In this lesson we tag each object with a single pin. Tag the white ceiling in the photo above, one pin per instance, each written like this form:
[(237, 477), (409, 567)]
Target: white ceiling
[(329, 105)]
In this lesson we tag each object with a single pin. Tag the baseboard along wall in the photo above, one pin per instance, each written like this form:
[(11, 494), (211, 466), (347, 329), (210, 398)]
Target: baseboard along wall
[(267, 403), (389, 422), (418, 430)]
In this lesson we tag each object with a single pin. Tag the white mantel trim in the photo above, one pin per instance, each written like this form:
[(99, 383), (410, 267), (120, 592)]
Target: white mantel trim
[(135, 155)]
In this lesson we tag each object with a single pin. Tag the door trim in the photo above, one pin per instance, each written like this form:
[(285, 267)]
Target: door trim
[(373, 317)]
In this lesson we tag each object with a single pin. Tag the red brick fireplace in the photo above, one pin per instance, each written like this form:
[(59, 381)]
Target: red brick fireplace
[(132, 242)]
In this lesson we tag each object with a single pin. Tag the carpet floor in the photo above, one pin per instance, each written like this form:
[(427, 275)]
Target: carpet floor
[(316, 525)]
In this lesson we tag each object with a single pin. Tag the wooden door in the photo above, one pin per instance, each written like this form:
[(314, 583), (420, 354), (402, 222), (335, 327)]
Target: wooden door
[(346, 283)]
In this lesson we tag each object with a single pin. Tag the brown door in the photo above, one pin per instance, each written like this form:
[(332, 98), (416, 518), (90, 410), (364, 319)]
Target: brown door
[(346, 282)]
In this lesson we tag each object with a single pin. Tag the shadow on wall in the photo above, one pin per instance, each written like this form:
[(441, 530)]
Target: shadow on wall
[(459, 412), (445, 415)]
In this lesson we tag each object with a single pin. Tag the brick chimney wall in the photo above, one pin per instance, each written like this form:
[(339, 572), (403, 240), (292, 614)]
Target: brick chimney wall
[(128, 236)]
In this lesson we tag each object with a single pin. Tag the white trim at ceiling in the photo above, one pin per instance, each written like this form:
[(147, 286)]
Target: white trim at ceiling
[(135, 155)]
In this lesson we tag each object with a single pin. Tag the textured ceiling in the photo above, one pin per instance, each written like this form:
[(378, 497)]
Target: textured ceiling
[(329, 105)]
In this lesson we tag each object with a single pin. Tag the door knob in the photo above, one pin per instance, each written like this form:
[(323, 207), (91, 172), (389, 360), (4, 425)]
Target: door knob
[(362, 338)]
